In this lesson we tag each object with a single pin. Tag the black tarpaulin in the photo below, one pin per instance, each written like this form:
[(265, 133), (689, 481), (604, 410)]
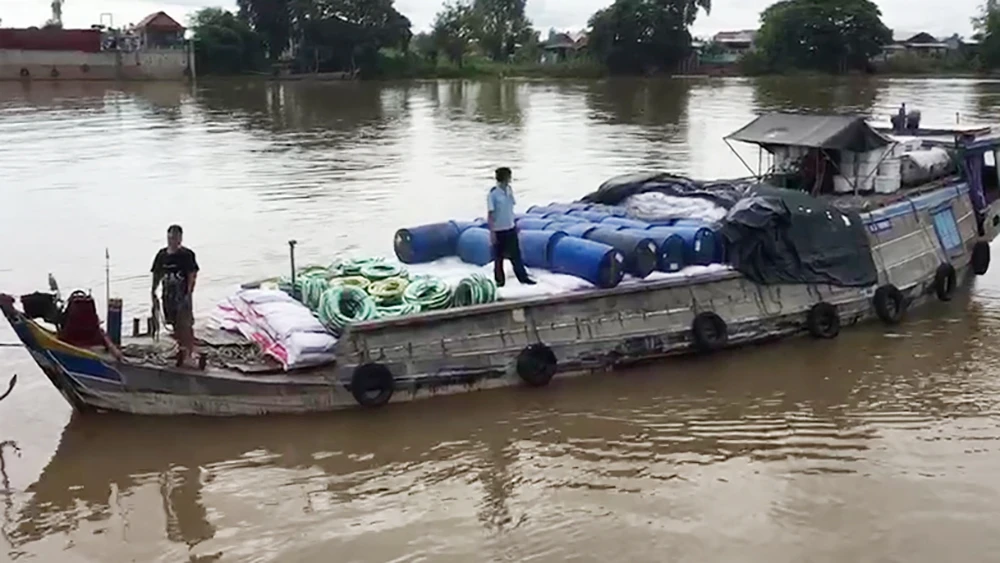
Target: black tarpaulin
[(779, 236), (834, 132), (616, 190)]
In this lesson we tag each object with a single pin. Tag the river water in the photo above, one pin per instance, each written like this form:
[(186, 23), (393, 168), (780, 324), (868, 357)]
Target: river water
[(879, 446)]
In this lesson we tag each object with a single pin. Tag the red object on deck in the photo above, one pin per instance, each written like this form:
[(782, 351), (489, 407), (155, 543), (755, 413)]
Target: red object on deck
[(81, 325), (86, 40)]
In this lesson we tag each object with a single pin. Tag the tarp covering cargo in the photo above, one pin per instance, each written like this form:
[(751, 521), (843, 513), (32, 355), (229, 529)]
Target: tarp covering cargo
[(834, 132), (779, 236), (617, 189)]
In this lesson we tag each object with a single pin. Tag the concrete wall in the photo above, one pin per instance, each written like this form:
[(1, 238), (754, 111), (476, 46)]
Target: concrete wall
[(108, 65)]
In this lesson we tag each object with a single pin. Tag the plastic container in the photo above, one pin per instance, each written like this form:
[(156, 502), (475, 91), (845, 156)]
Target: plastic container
[(592, 216), (474, 246), (640, 251), (559, 207), (427, 243), (613, 210), (626, 223), (670, 249), (533, 223), (462, 225), (537, 247), (573, 229), (592, 261), (700, 243)]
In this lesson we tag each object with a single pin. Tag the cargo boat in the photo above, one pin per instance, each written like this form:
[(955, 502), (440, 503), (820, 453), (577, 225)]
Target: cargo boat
[(799, 264)]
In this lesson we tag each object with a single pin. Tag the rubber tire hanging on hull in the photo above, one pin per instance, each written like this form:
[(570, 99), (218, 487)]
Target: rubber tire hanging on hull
[(369, 378), (709, 332), (536, 365), (945, 281), (823, 321), (890, 304), (980, 258)]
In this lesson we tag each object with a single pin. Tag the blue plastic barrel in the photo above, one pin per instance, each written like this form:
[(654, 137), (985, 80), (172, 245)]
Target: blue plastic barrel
[(537, 247), (625, 222), (670, 249), (426, 243), (462, 225), (690, 223), (613, 210), (572, 229), (592, 216), (595, 262), (640, 251), (474, 246), (533, 223), (700, 244)]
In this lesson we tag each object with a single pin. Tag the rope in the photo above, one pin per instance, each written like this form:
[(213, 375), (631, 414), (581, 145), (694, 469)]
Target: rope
[(476, 289), (388, 292), (342, 305), (431, 294), (383, 271)]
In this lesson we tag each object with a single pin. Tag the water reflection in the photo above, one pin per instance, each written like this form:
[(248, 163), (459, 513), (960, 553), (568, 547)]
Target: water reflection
[(821, 94), (660, 104)]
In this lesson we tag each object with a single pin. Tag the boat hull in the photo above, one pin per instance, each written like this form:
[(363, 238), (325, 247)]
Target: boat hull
[(477, 348)]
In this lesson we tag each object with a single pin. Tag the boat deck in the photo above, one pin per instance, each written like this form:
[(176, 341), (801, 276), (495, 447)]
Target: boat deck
[(222, 349)]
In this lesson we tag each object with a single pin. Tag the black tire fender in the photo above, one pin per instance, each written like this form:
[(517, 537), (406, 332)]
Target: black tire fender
[(823, 321), (889, 303), (980, 257), (945, 281), (709, 332), (537, 365), (372, 385), (25, 73)]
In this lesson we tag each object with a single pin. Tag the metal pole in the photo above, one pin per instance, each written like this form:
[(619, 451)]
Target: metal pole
[(107, 276), (291, 256)]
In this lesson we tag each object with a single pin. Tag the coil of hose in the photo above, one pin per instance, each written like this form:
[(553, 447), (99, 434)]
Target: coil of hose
[(354, 266), (379, 271), (476, 289), (311, 289), (388, 292), (359, 282), (430, 294), (344, 304)]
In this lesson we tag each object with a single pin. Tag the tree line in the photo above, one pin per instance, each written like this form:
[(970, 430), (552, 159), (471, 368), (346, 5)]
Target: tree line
[(371, 38)]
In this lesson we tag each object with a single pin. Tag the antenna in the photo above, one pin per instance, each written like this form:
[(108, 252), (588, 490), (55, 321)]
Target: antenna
[(56, 19)]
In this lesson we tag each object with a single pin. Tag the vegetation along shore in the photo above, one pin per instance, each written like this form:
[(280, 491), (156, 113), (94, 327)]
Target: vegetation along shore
[(494, 38)]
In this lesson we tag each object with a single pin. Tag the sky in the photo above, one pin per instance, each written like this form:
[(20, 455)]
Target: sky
[(938, 17)]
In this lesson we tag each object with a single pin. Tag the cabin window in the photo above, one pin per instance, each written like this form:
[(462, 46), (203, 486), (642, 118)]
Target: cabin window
[(947, 230)]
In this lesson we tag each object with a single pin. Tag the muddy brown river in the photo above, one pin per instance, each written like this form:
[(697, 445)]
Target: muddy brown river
[(880, 446)]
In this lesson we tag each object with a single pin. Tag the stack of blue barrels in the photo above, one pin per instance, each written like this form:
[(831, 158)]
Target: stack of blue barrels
[(597, 243)]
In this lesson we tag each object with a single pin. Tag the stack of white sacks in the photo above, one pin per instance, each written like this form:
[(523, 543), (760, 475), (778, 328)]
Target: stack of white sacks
[(282, 328)]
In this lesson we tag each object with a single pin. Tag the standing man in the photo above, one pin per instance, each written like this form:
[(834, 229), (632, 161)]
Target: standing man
[(503, 233), (177, 268)]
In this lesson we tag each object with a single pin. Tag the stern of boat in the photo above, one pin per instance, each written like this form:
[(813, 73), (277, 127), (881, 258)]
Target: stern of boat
[(77, 373)]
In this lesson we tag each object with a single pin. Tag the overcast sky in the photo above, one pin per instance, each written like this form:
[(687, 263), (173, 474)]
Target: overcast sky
[(939, 17)]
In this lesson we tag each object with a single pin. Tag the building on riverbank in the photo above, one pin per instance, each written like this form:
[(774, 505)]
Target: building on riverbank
[(155, 49)]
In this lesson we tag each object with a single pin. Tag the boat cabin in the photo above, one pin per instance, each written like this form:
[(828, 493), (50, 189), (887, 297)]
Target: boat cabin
[(863, 163)]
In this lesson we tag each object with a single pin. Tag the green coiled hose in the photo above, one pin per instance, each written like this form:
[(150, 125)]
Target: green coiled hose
[(388, 292), (353, 266), (379, 271), (344, 304), (359, 282), (431, 294), (476, 289), (311, 289)]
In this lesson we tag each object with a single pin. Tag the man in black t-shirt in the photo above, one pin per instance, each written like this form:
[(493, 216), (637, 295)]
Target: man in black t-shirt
[(177, 268)]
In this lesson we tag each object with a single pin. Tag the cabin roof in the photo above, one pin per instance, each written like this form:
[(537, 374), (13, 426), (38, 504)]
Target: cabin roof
[(835, 132), (159, 21)]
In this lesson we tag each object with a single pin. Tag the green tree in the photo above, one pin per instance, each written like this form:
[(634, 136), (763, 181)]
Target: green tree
[(225, 43), (453, 30), (272, 19), (501, 27), (987, 28), (638, 36), (822, 35)]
